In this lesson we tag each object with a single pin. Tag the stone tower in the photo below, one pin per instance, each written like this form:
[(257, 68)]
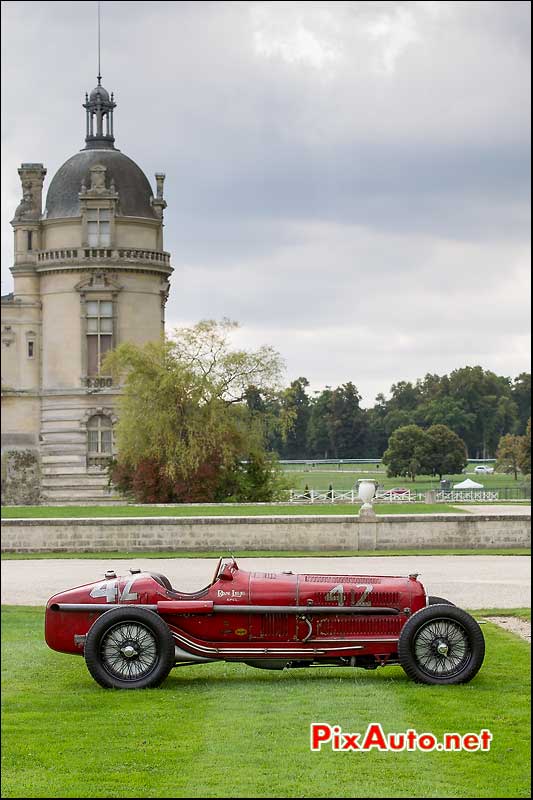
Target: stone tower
[(89, 273)]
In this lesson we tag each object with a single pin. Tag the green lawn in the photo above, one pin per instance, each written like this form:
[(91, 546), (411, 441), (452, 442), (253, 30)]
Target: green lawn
[(228, 510), (222, 730), (108, 554), (321, 477)]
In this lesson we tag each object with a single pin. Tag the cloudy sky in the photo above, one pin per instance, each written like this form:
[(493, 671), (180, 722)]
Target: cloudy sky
[(348, 180)]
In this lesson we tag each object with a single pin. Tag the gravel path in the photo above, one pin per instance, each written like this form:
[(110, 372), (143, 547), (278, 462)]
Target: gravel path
[(468, 581), (522, 627)]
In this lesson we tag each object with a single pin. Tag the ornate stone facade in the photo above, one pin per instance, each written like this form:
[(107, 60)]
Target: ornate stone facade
[(90, 272)]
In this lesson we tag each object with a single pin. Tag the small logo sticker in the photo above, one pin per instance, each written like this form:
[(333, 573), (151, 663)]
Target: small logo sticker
[(241, 631)]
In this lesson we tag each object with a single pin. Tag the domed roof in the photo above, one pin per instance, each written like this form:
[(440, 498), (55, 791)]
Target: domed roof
[(131, 183), (100, 92)]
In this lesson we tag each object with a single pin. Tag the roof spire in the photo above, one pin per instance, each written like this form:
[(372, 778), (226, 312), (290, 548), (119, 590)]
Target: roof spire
[(99, 76)]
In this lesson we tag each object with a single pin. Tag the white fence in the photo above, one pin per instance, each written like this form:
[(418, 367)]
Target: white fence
[(470, 495), (351, 496), (391, 496)]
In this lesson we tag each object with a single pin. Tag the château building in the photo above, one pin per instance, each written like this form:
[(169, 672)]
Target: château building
[(90, 271)]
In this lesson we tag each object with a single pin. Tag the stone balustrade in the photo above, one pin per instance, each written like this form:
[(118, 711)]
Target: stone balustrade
[(103, 256)]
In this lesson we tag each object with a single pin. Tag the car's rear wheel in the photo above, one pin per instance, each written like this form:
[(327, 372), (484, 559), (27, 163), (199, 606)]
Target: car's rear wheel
[(129, 648), (441, 644), (433, 600)]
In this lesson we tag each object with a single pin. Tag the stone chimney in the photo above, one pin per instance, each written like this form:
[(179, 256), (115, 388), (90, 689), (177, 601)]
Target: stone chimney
[(32, 179)]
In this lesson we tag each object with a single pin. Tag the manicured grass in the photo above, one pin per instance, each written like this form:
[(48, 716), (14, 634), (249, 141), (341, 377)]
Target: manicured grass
[(221, 730), (108, 554), (321, 477), (50, 512), (523, 613)]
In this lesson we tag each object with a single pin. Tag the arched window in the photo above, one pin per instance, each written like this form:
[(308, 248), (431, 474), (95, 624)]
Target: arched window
[(99, 436)]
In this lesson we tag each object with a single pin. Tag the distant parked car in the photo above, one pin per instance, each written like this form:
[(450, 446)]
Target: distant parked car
[(482, 468)]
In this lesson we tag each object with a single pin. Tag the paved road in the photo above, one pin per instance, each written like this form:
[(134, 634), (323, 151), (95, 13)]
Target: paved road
[(468, 581), (496, 511)]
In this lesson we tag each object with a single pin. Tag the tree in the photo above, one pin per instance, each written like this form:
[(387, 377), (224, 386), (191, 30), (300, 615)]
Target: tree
[(509, 453), (406, 451), (404, 396), (346, 422), (376, 435), (446, 411), (295, 408), (521, 393), (319, 442), (524, 461), (445, 452), (184, 419)]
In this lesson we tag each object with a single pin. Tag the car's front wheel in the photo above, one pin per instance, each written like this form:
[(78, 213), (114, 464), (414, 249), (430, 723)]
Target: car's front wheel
[(441, 644), (129, 648)]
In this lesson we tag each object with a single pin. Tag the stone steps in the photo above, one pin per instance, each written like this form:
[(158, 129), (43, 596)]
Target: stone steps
[(85, 494), (66, 479)]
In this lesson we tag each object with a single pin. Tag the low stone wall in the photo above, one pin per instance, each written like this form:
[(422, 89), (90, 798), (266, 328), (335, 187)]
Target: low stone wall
[(224, 534)]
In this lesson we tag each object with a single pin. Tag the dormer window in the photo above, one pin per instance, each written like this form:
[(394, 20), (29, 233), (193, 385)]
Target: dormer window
[(98, 227)]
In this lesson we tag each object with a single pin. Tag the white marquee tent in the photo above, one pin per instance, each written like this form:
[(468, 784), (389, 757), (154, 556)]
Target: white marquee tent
[(468, 484)]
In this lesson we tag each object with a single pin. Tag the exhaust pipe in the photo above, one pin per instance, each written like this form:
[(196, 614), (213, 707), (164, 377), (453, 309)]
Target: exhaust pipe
[(183, 655)]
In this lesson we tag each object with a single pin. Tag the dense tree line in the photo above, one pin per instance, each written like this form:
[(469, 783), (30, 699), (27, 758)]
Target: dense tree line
[(202, 422), (478, 405)]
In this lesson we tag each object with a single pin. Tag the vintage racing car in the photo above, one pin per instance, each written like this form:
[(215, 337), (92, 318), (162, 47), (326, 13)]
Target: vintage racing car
[(134, 629)]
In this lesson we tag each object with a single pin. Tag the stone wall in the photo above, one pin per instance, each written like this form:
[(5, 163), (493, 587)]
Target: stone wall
[(225, 534), (21, 477)]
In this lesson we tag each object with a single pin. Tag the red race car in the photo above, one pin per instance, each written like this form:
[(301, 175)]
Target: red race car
[(133, 629)]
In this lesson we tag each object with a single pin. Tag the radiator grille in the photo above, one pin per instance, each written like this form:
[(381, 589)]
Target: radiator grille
[(275, 626)]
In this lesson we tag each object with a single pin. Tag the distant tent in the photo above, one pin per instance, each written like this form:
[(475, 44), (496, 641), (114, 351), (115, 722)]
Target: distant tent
[(468, 484)]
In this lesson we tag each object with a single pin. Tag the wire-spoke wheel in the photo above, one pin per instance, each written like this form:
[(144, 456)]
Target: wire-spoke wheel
[(441, 644), (129, 648)]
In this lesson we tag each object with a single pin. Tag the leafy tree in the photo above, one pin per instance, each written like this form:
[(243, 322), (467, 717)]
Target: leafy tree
[(445, 452), (521, 394), (184, 421), (404, 396), (294, 406), (346, 422), (509, 453), (406, 452), (375, 433), (524, 461), (397, 418), (445, 410), (319, 441)]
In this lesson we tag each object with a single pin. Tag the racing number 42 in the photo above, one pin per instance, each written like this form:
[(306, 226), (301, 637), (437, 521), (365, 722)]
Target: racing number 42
[(109, 590), (337, 593)]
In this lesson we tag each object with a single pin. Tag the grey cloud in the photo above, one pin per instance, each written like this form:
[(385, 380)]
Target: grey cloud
[(349, 180)]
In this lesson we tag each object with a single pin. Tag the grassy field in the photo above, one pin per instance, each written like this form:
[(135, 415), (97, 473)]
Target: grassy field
[(321, 477), (229, 510), (221, 730), (108, 554)]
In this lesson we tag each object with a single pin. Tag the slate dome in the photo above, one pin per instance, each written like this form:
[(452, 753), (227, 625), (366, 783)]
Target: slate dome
[(99, 92), (132, 185)]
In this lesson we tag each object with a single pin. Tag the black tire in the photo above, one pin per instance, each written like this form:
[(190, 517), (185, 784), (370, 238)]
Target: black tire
[(447, 627), (439, 601), (129, 648)]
